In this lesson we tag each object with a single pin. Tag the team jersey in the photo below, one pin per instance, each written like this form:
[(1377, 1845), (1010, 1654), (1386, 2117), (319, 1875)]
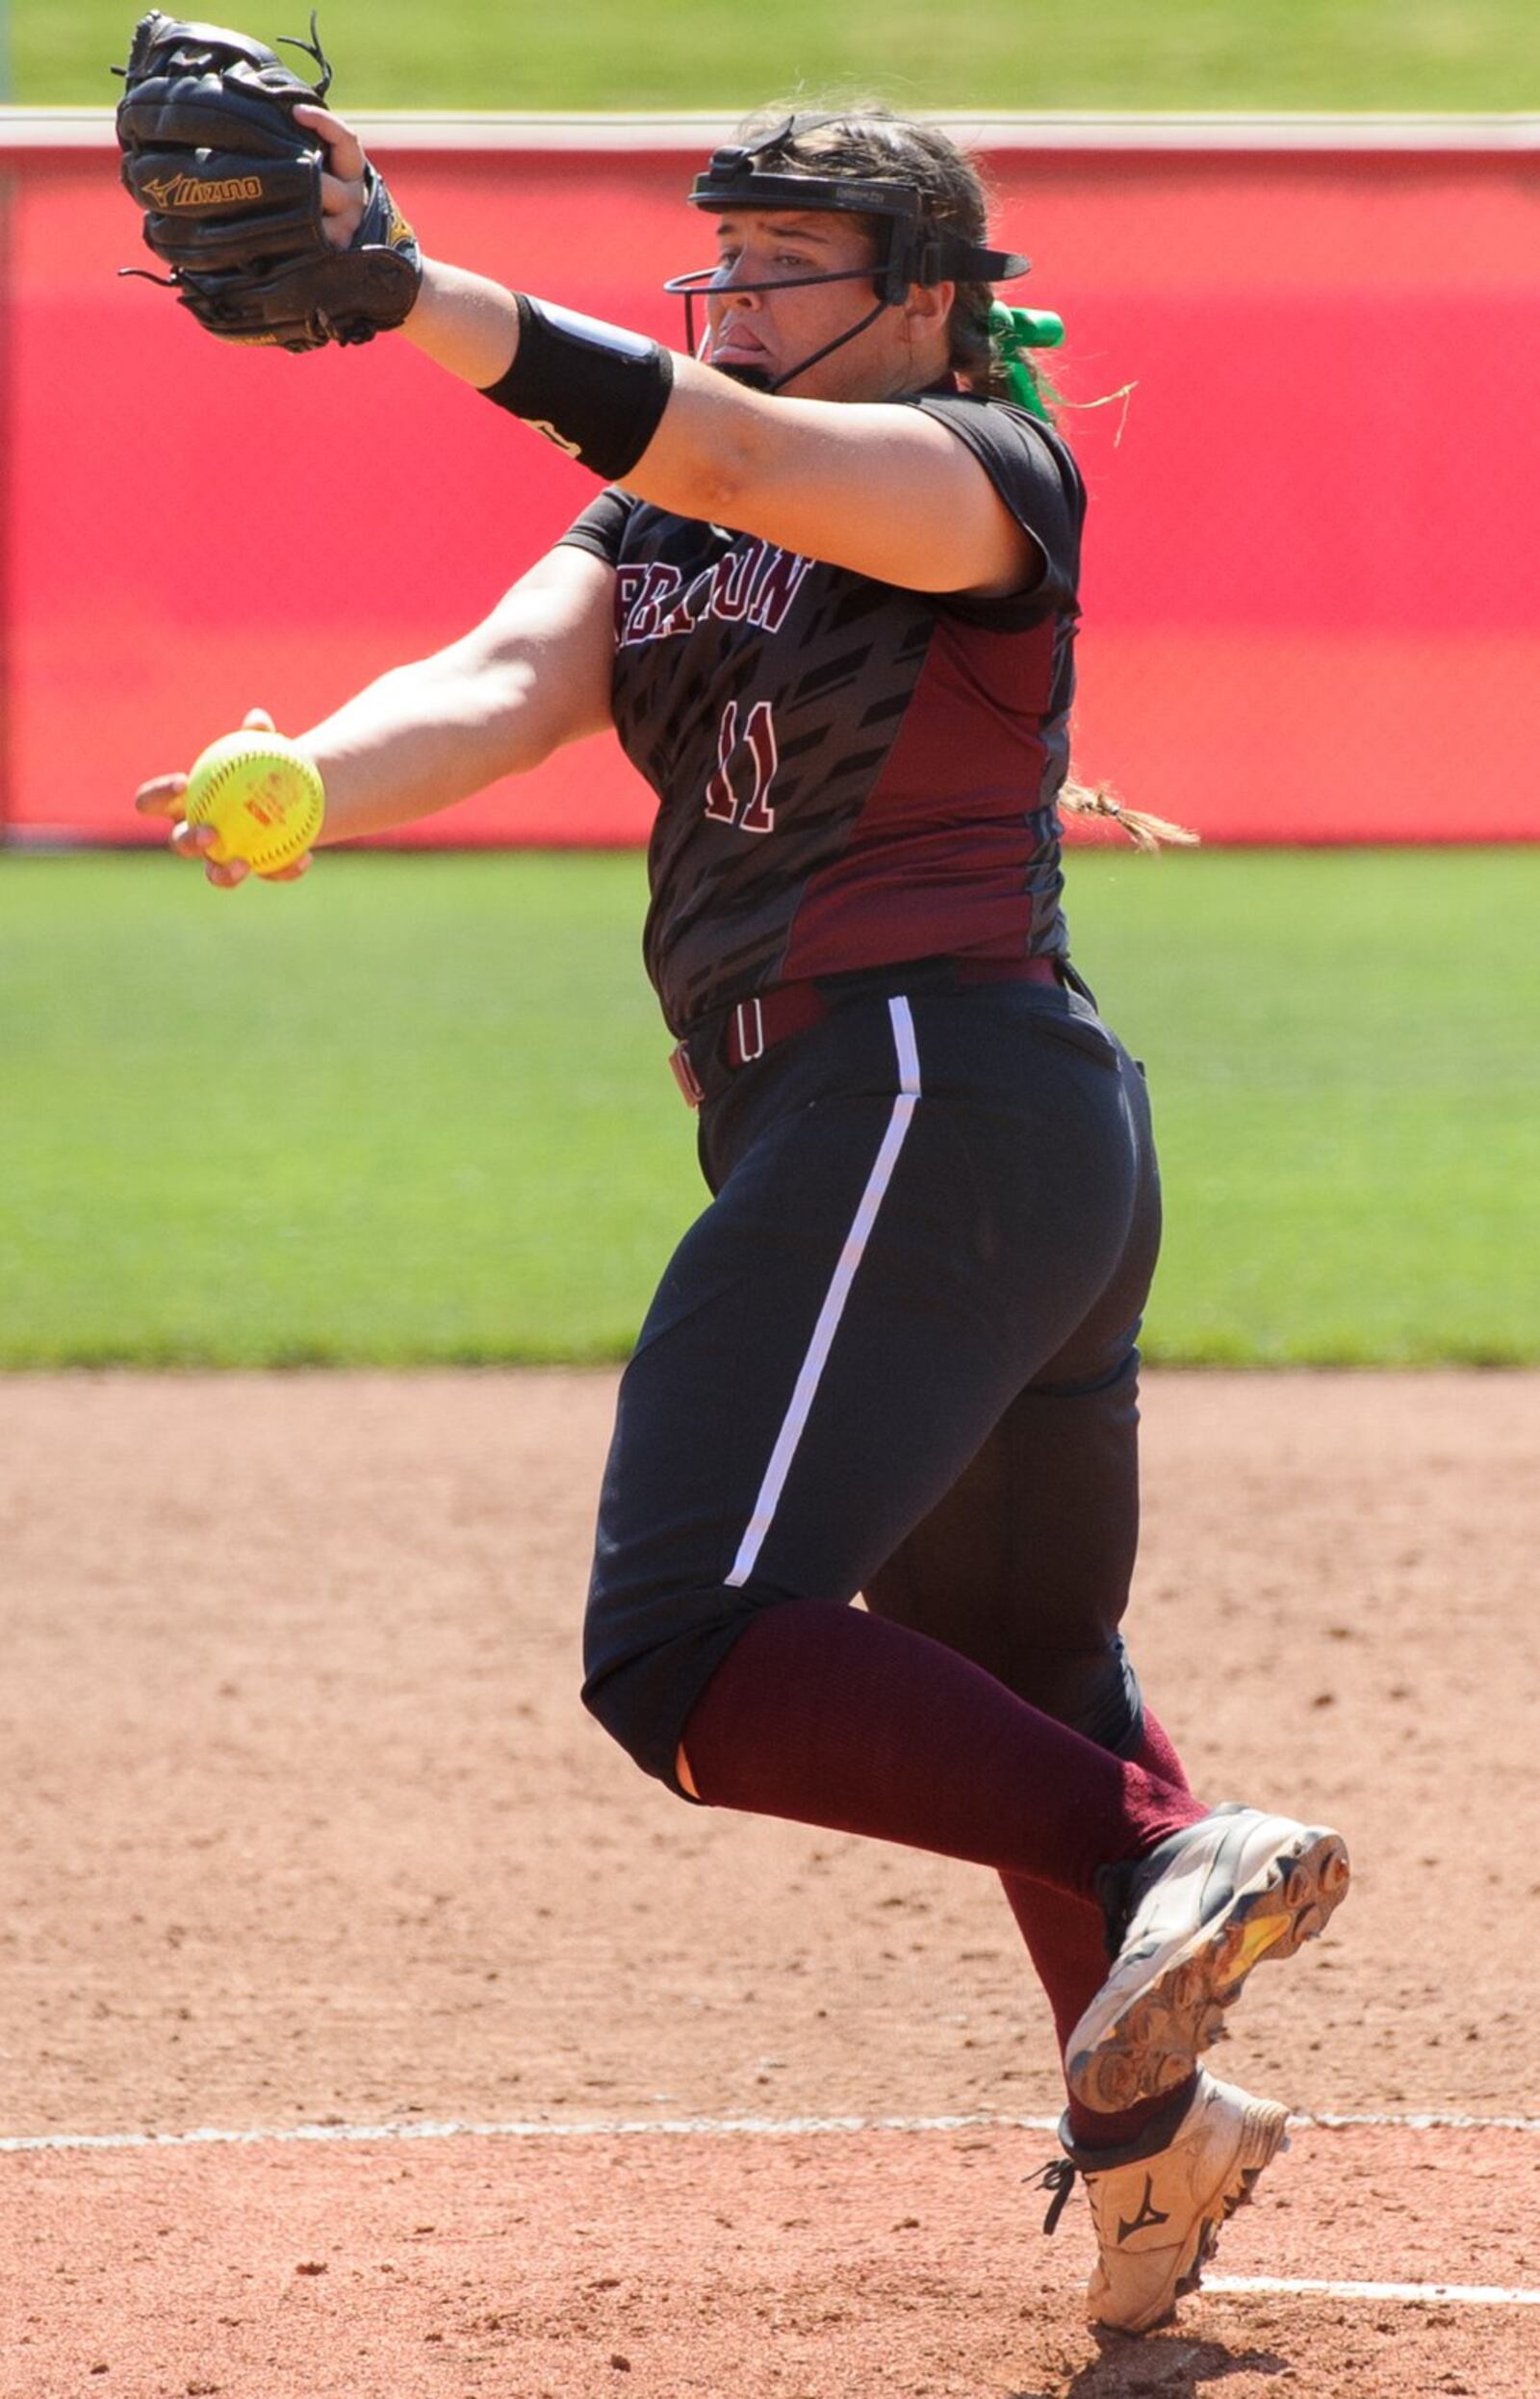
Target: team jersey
[(849, 774)]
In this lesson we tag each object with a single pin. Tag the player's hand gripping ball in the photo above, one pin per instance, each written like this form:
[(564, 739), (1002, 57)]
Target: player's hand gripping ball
[(262, 798)]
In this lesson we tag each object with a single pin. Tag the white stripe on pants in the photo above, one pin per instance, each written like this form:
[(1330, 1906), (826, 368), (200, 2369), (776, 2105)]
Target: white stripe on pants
[(806, 1388)]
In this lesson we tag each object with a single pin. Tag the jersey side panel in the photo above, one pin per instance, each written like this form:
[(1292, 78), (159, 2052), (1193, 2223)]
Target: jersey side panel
[(975, 874)]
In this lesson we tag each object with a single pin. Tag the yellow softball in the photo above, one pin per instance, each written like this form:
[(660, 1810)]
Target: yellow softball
[(263, 798)]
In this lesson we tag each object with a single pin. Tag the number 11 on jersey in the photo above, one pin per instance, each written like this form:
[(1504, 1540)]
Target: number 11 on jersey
[(755, 814)]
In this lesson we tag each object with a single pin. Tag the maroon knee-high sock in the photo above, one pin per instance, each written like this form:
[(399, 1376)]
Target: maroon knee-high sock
[(829, 1715), (1066, 1941)]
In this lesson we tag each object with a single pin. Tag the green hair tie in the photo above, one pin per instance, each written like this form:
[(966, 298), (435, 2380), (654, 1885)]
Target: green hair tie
[(1014, 332)]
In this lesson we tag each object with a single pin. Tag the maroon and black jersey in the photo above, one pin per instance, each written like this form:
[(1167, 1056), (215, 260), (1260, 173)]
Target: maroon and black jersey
[(849, 774)]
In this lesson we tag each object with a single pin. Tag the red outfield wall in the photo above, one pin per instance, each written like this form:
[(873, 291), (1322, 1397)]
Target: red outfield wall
[(1312, 580)]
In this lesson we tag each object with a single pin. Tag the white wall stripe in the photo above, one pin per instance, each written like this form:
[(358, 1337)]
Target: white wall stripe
[(670, 2128), (694, 130), (794, 1423)]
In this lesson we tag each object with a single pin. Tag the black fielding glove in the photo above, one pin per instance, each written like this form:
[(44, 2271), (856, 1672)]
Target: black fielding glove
[(230, 186)]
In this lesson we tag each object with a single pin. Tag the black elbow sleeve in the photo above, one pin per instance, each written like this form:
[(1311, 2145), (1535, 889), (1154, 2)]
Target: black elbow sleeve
[(594, 390)]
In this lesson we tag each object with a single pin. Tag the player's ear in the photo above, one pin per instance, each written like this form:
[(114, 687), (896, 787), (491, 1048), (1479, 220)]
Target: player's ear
[(928, 305), (926, 311)]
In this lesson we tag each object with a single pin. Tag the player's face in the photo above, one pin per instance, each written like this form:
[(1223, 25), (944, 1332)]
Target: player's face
[(771, 331)]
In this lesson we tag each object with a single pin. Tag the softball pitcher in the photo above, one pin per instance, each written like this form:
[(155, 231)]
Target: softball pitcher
[(827, 596)]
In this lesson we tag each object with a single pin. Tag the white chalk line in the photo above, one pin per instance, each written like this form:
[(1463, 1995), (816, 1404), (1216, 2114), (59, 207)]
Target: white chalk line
[(684, 2127), (697, 2128), (571, 2128), (1414, 2294)]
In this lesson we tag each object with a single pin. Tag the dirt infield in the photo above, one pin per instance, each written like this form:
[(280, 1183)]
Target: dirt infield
[(558, 2086)]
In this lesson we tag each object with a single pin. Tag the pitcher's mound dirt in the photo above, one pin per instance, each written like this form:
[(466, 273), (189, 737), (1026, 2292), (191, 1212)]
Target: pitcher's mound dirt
[(305, 1822)]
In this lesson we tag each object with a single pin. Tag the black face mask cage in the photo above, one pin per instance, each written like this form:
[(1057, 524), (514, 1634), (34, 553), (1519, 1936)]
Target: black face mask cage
[(910, 248)]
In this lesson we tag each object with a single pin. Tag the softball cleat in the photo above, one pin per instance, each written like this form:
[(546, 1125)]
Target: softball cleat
[(1185, 1925), (1158, 2212)]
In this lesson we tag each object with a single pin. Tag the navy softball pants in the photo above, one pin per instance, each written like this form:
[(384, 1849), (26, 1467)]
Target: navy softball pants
[(894, 1358)]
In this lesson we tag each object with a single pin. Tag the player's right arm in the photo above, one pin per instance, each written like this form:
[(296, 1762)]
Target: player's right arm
[(533, 676)]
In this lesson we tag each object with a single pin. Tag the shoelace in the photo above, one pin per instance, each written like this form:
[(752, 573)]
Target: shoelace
[(1059, 2180)]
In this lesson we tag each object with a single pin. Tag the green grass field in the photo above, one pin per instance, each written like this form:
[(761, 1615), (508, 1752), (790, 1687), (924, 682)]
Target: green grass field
[(417, 1109), (996, 54)]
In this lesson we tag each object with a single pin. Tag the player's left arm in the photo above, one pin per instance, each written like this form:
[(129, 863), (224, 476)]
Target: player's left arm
[(887, 492)]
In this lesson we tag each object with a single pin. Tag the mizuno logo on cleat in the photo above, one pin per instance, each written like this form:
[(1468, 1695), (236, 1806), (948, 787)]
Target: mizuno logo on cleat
[(1146, 2216)]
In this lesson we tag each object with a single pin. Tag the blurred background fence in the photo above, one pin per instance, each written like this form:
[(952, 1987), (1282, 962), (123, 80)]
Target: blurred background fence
[(1313, 581)]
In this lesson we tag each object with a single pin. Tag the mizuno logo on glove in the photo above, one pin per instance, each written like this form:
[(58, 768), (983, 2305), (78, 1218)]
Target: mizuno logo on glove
[(186, 192)]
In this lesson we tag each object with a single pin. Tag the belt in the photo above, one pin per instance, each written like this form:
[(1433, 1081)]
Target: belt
[(750, 1027)]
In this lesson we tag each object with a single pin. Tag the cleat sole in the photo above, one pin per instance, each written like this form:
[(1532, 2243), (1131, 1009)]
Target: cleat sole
[(1152, 2039)]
